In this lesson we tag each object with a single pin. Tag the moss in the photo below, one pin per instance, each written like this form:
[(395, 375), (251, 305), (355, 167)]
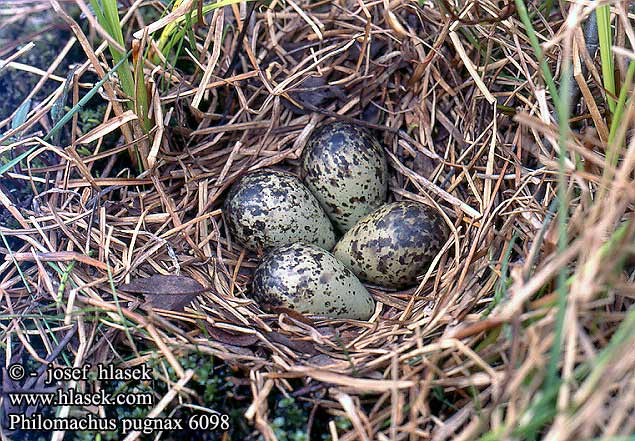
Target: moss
[(290, 421), (215, 390), (220, 389), (91, 117)]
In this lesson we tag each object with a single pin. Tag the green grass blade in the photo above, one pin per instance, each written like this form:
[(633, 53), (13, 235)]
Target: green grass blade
[(82, 102), (58, 107), (603, 15), (621, 103), (141, 101), (15, 262), (535, 44), (563, 105), (167, 32), (561, 100), (501, 287), (21, 114), (108, 17)]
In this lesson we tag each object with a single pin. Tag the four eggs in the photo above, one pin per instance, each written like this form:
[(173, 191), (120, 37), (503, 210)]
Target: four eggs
[(343, 191)]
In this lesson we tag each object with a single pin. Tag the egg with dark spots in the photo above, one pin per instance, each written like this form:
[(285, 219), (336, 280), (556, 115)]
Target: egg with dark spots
[(270, 208), (393, 245), (310, 280), (345, 167)]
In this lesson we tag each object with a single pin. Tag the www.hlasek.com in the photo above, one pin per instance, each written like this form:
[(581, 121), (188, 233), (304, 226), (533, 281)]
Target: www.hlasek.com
[(89, 422), (71, 397)]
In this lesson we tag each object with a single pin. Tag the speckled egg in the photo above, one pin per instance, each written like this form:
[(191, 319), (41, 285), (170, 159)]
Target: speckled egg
[(269, 208), (345, 167), (394, 244), (310, 280)]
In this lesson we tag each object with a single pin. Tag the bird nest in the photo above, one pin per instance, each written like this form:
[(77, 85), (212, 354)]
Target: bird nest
[(449, 89)]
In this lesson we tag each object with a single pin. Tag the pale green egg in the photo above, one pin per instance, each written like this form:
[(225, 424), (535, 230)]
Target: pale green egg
[(393, 245), (310, 280), (270, 208), (345, 167)]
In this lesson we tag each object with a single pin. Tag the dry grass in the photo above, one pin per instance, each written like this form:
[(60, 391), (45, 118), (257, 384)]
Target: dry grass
[(469, 130)]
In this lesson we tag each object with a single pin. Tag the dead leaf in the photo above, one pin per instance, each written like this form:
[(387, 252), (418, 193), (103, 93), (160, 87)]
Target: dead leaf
[(229, 338), (322, 360), (291, 313), (163, 284), (300, 346), (170, 302), (169, 292), (348, 336)]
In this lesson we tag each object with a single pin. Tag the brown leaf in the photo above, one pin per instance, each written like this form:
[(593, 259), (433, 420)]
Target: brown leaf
[(348, 336), (322, 360), (169, 302), (169, 292), (291, 313), (160, 284), (230, 338), (304, 347)]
